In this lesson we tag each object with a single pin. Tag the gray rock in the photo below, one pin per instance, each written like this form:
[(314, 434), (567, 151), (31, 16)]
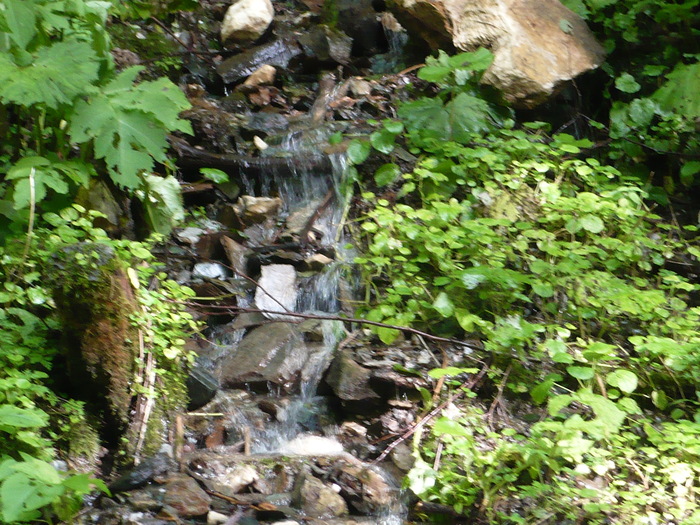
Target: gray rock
[(257, 209), (272, 353), (277, 53), (211, 271), (141, 474), (267, 122), (184, 494), (247, 20), (326, 45), (201, 387), (277, 290), (350, 381), (318, 500), (236, 253)]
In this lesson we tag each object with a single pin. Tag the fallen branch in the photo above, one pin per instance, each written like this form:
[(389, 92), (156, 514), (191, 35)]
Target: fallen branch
[(228, 310), (466, 386)]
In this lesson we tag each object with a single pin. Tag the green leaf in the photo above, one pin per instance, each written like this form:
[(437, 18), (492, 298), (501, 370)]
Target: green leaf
[(443, 305), (434, 73), (592, 223), (478, 60), (45, 80), (163, 203), (437, 373), (627, 84), (13, 416), (541, 392), (358, 151), (688, 172), (680, 93), (642, 111), (21, 21), (128, 125), (543, 289), (14, 492), (387, 335), (625, 380), (584, 373), (445, 426), (469, 114), (387, 174), (382, 141), (214, 175)]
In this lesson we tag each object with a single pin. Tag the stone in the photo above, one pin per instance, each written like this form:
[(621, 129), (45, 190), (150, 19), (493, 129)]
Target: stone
[(316, 262), (266, 123), (265, 74), (144, 472), (189, 235), (277, 290), (214, 518), (350, 382), (247, 20), (272, 353), (276, 53), (184, 494), (240, 477), (201, 387), (211, 270), (257, 209), (318, 500), (237, 255), (326, 45), (364, 488), (538, 45)]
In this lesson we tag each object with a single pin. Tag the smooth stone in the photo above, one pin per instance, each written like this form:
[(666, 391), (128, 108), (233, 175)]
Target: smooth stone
[(184, 494), (247, 20), (265, 74), (318, 500), (277, 290), (211, 271)]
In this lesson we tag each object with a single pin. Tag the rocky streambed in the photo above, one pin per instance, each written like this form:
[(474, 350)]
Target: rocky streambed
[(294, 416)]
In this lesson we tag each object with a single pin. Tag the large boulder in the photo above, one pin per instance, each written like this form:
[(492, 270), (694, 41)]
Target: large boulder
[(247, 20), (271, 354), (537, 44)]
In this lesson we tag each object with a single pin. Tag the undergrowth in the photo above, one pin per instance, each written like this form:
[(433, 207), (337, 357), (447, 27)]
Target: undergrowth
[(557, 261)]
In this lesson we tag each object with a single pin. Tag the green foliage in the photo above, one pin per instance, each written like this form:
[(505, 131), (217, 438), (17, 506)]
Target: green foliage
[(653, 96), (32, 415), (556, 262), (57, 81)]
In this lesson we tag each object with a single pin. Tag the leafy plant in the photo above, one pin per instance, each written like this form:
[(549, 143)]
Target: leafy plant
[(119, 126), (558, 264)]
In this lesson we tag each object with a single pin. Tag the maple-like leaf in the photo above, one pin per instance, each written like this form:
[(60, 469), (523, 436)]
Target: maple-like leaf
[(55, 75), (128, 124)]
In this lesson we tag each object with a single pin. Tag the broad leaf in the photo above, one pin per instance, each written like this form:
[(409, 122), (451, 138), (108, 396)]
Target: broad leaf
[(387, 174), (20, 20), (57, 74), (13, 416), (680, 93)]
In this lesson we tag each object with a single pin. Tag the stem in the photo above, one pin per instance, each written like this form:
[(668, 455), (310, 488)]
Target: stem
[(32, 212)]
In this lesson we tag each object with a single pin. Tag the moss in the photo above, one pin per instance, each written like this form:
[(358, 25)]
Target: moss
[(157, 52)]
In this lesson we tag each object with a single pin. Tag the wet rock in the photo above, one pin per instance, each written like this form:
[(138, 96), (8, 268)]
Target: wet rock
[(240, 477), (237, 255), (534, 56), (323, 44), (184, 494), (277, 53), (359, 20), (257, 209), (298, 219), (247, 20), (364, 488), (268, 123), (248, 319), (277, 290), (211, 270), (316, 262), (144, 500), (318, 500), (350, 383), (201, 387), (272, 353), (265, 74), (188, 235), (146, 471)]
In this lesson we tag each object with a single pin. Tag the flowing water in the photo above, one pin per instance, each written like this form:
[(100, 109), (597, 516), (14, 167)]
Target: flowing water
[(308, 188)]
